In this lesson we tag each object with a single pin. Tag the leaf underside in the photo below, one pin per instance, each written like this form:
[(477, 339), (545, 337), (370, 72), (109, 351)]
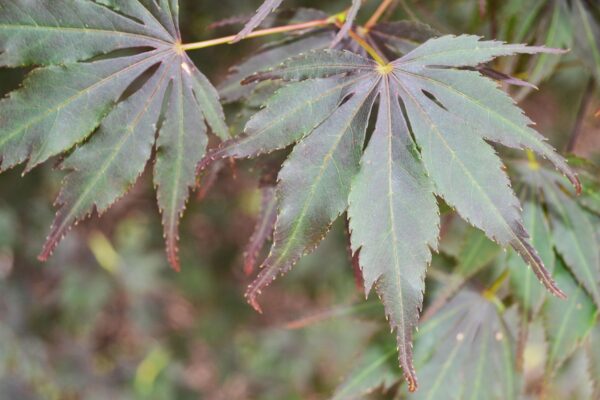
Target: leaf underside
[(107, 71), (436, 114)]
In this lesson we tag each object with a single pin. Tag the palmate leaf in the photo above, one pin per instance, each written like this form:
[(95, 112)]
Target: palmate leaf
[(433, 120), (572, 226), (109, 67), (567, 322), (271, 5), (466, 351)]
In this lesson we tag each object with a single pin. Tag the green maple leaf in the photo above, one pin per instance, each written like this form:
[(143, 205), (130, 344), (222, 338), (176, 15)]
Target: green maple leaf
[(107, 69), (567, 323), (433, 120), (467, 351)]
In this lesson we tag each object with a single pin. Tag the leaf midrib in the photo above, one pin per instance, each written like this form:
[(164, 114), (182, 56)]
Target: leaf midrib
[(173, 220)]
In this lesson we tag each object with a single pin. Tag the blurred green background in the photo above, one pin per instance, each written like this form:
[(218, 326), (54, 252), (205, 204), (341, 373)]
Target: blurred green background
[(106, 318)]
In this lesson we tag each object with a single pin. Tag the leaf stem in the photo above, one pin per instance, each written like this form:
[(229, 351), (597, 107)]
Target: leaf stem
[(263, 32), (368, 48), (490, 293), (378, 13)]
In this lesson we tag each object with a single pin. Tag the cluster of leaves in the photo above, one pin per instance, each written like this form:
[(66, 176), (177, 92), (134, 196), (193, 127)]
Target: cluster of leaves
[(482, 343), (427, 133), (115, 86), (573, 24), (109, 68)]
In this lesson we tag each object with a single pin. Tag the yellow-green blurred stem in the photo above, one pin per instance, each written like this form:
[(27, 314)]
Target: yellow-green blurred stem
[(263, 32)]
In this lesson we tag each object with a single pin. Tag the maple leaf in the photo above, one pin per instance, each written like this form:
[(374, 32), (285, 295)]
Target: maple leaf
[(108, 68), (560, 223), (433, 120), (467, 351)]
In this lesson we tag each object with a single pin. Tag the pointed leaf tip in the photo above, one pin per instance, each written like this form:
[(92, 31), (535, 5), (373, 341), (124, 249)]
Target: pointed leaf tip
[(112, 135), (251, 298), (173, 256)]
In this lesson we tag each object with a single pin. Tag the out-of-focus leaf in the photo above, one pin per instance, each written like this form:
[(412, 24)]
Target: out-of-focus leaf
[(523, 282), (372, 371), (569, 321), (571, 381), (466, 351), (402, 37), (477, 252), (263, 229), (593, 352), (575, 237), (558, 33), (271, 5), (585, 16)]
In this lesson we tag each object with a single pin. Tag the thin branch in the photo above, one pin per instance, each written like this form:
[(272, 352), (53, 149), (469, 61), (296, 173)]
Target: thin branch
[(368, 48), (259, 33), (378, 13)]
